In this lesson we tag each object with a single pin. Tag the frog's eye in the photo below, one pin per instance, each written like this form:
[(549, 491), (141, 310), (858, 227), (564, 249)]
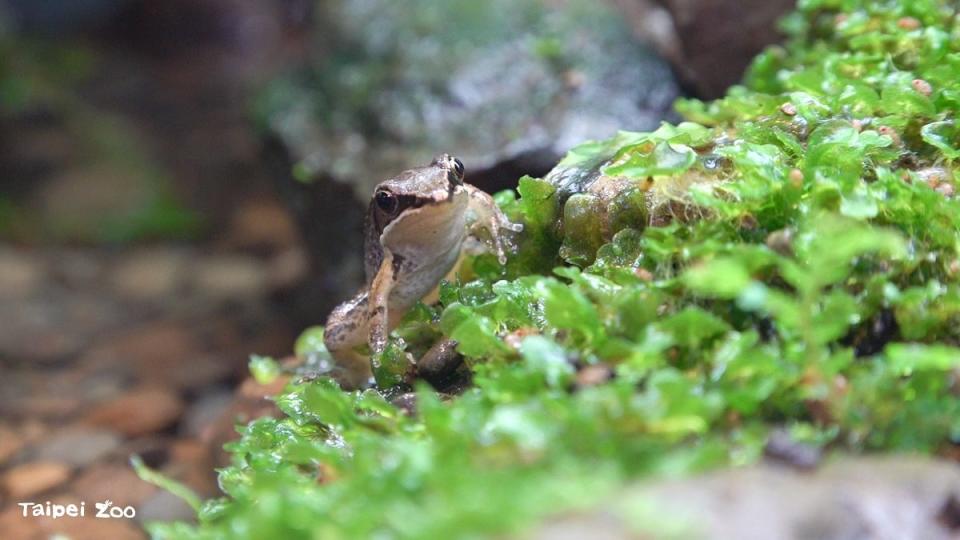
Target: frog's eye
[(386, 201)]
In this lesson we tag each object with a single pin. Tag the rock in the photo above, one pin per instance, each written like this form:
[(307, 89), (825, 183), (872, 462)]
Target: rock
[(138, 412), (47, 406), (14, 525), (77, 446), (719, 38), (10, 444), (230, 278), (191, 463), (115, 482), (588, 78), (20, 274), (53, 325), (165, 506), (79, 269), (24, 481), (162, 352), (263, 225), (154, 450), (518, 84), (150, 274), (103, 384), (205, 411), (885, 497), (288, 268)]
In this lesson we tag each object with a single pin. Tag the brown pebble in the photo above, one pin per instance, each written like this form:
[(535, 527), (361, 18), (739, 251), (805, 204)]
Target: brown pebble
[(10, 443), (788, 109), (139, 412), (30, 479), (112, 481)]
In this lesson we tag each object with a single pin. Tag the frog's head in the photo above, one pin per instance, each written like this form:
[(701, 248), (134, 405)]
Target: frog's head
[(418, 192)]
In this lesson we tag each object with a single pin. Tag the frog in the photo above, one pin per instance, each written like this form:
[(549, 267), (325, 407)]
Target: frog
[(416, 230)]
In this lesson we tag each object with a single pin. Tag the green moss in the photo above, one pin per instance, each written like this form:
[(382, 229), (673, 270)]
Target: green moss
[(791, 262)]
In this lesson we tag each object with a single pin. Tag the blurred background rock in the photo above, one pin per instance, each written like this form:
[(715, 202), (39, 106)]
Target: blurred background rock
[(180, 182)]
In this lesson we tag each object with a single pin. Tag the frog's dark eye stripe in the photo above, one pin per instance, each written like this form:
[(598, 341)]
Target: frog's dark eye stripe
[(390, 205), (386, 202)]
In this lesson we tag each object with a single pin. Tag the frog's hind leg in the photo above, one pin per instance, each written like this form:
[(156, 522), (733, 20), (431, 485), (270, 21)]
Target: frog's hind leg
[(347, 328)]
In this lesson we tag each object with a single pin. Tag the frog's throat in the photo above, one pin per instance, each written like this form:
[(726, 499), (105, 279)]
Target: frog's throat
[(433, 227)]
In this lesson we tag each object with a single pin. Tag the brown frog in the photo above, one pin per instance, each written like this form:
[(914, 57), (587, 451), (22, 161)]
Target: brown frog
[(414, 232)]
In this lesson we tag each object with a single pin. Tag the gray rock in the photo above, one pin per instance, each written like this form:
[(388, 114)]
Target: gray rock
[(205, 412), (506, 85), (851, 498), (230, 278), (150, 274), (165, 506), (20, 274), (514, 79), (78, 447)]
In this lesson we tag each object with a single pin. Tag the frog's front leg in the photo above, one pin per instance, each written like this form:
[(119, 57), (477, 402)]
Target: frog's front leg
[(487, 215), (379, 302), (348, 327)]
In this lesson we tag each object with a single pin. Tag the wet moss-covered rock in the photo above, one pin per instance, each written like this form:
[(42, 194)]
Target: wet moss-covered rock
[(780, 270)]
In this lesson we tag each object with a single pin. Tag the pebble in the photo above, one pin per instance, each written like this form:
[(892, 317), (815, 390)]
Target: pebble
[(138, 412), (116, 482), (150, 274), (262, 224), (206, 411), (10, 444), (20, 275), (24, 481), (163, 353), (78, 446), (14, 525), (231, 277), (191, 463), (165, 506)]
